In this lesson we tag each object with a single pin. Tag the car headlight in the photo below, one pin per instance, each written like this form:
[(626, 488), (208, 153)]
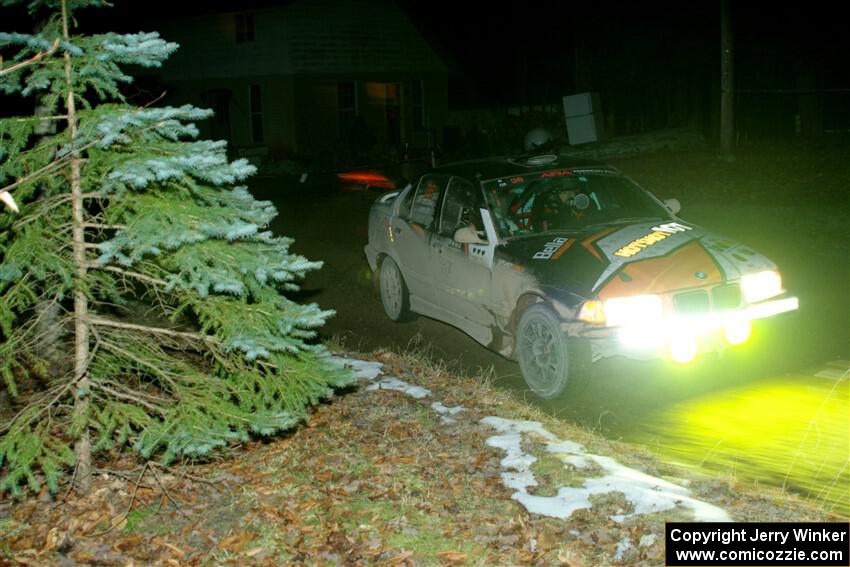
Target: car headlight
[(637, 309), (760, 286)]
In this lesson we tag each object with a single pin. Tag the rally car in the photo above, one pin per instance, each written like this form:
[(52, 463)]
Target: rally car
[(556, 262)]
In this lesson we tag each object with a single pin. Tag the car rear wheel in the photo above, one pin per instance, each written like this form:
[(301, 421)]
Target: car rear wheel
[(550, 361), (394, 295)]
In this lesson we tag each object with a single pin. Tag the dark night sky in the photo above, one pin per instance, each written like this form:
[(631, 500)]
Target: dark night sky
[(526, 52), (537, 43)]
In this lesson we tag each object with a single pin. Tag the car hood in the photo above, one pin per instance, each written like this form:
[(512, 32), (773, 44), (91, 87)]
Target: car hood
[(632, 259)]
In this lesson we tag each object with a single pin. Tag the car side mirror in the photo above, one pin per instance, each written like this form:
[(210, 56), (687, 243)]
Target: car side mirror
[(467, 235), (673, 205)]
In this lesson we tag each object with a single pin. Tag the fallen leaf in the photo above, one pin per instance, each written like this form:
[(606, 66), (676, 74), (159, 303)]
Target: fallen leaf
[(452, 556), (58, 540), (400, 558), (174, 548)]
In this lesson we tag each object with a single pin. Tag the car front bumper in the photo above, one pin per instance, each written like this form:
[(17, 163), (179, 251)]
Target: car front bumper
[(680, 337)]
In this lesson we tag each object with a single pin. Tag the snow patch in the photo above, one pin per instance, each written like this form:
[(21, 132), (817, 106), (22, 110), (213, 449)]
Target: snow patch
[(445, 412), (646, 493), (369, 371), (392, 383), (623, 547), (440, 408), (363, 370), (647, 540), (564, 447)]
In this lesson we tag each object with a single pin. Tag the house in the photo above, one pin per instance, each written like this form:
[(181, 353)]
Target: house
[(308, 77)]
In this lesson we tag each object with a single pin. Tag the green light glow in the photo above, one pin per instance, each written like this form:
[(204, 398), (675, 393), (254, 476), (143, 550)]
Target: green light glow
[(790, 431), (737, 332)]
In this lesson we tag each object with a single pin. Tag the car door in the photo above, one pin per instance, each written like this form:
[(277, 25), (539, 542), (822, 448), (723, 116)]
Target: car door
[(412, 232), (463, 271)]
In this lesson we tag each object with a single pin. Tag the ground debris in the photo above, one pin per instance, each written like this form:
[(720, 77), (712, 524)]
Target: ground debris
[(378, 478)]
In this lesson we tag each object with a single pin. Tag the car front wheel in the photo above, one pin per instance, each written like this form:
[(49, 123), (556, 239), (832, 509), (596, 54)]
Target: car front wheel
[(394, 295), (550, 361)]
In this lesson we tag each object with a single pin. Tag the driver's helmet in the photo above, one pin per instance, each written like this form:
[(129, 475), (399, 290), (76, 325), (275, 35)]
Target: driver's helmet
[(538, 138)]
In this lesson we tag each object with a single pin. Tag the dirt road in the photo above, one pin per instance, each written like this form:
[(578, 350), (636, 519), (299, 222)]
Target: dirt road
[(769, 384)]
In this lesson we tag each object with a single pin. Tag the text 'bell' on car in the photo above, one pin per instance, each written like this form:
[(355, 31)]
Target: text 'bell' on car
[(556, 262)]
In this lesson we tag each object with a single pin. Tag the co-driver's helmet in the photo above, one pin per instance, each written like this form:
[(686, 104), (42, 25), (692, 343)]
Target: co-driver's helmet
[(538, 138)]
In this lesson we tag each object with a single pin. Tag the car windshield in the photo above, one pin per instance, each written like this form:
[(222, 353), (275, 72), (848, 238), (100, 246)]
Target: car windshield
[(566, 201)]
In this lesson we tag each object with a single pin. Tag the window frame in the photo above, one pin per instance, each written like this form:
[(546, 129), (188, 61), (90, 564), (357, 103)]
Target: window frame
[(455, 180), (244, 23), (257, 135), (443, 181)]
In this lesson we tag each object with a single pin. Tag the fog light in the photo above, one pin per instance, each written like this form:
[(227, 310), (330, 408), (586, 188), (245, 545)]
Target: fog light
[(737, 332), (683, 349), (640, 338)]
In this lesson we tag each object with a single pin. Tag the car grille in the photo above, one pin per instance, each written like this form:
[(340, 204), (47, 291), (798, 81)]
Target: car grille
[(692, 303), (726, 297), (700, 302)]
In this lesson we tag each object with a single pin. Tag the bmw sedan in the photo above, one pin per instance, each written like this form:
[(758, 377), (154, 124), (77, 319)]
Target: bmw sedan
[(556, 262)]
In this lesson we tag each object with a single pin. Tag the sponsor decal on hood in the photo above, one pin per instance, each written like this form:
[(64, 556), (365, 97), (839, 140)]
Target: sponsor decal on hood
[(658, 234), (634, 258)]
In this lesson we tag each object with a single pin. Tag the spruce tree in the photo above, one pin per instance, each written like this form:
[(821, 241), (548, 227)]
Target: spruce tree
[(171, 289)]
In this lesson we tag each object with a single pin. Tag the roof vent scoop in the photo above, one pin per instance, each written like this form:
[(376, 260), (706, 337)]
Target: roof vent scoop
[(542, 160)]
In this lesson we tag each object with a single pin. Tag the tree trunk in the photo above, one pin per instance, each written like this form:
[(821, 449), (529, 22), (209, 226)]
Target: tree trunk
[(727, 83), (82, 385)]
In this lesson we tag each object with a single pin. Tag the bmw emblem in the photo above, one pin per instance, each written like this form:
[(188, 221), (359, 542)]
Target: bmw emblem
[(700, 275)]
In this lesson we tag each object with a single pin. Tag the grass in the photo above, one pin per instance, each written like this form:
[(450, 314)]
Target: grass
[(376, 477), (552, 473)]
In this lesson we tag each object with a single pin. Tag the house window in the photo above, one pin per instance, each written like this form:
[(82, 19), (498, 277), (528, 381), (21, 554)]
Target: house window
[(346, 96), (417, 105), (219, 101), (256, 111), (244, 28)]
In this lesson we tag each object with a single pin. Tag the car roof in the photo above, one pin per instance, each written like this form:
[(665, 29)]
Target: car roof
[(500, 167)]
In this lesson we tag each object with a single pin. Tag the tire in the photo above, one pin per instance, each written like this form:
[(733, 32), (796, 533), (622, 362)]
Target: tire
[(551, 363), (394, 295)]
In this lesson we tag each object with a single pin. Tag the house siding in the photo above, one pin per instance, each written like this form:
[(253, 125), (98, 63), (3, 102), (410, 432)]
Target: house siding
[(299, 54)]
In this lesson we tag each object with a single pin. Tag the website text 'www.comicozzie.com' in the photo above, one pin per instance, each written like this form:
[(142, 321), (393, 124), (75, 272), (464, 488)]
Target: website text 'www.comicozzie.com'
[(715, 543)]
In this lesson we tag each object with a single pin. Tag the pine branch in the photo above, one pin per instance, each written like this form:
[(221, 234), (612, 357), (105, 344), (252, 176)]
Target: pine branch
[(32, 60), (153, 330), (129, 274), (159, 372), (55, 164), (131, 398), (61, 390), (58, 118), (100, 226)]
